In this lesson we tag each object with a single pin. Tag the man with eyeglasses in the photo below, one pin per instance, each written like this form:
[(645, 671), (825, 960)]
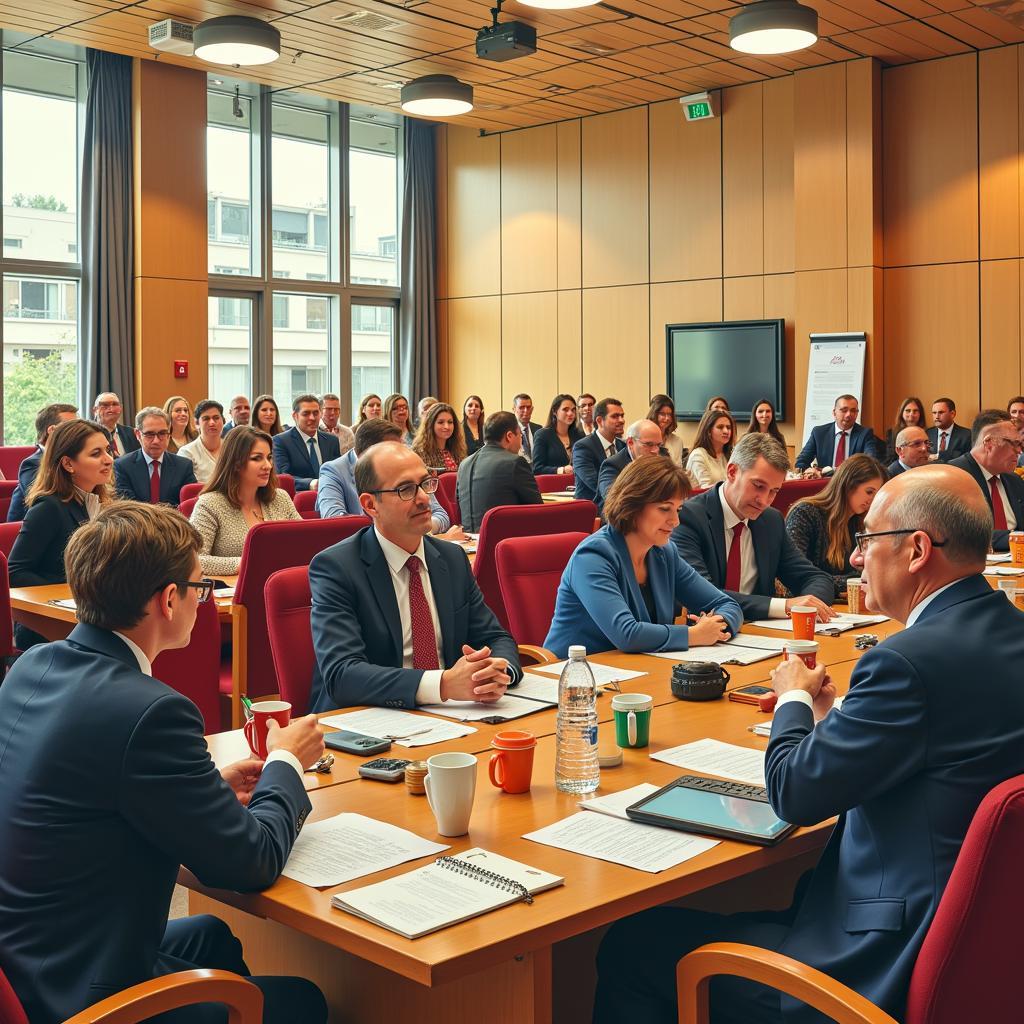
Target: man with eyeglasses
[(398, 620), (152, 473), (912, 450), (106, 411), (107, 788), (643, 438), (996, 444)]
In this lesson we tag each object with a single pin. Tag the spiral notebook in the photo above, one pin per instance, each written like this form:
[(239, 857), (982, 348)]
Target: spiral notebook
[(451, 890)]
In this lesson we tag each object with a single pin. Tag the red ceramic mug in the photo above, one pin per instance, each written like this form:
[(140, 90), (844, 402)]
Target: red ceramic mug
[(511, 765), (255, 728)]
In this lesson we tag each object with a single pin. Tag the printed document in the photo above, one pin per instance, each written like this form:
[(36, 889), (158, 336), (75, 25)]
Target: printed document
[(406, 730), (712, 757)]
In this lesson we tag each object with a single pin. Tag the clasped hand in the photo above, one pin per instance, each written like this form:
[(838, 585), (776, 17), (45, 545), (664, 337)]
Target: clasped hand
[(475, 676), (793, 674)]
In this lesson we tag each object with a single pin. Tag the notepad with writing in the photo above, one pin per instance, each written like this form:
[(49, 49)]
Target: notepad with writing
[(451, 890)]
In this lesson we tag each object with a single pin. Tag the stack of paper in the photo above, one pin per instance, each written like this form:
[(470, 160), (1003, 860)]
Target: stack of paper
[(712, 757), (503, 710), (841, 622), (406, 730), (604, 675), (743, 649)]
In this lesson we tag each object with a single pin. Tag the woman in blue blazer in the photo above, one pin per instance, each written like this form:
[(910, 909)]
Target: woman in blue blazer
[(623, 584)]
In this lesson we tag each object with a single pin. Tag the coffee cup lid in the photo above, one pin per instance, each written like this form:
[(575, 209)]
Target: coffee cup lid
[(514, 739), (801, 645), (802, 609)]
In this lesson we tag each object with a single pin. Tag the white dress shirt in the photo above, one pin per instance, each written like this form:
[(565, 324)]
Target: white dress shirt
[(316, 444), (429, 689), (1011, 519), (748, 560), (115, 442), (203, 461)]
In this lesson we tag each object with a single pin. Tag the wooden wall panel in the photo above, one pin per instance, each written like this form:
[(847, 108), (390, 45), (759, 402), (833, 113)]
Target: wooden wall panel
[(743, 298), (778, 175), (820, 304), (615, 199), (865, 313), (570, 341), (999, 153), (529, 210), (529, 346), (780, 301), (170, 323), (742, 181), (1000, 333), (819, 167), (686, 195), (616, 334), (930, 142), (931, 322), (474, 215), (474, 349), (863, 163), (570, 185)]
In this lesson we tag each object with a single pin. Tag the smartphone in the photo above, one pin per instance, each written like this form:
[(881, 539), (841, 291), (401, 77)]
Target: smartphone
[(386, 769), (749, 694), (356, 742)]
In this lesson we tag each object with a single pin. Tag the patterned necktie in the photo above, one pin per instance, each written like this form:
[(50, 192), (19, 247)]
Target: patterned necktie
[(998, 512), (424, 642), (154, 484), (840, 450), (732, 565), (526, 442), (942, 441)]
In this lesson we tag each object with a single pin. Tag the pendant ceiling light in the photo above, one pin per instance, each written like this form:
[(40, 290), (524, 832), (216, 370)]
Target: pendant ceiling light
[(437, 96), (236, 40), (773, 26)]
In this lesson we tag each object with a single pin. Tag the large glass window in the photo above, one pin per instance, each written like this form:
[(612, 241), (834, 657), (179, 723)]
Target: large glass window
[(229, 183), (373, 212), (302, 349), (230, 345), (373, 338)]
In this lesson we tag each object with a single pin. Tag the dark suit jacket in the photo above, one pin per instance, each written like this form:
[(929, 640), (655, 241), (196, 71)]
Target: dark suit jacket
[(895, 468), (1014, 487), (129, 441), (27, 472), (905, 792), (549, 454), (106, 787), (131, 474), (587, 458), (821, 443), (609, 473), (37, 558), (533, 433), (291, 454), (700, 537), (357, 629), (959, 442), (492, 477), (472, 444)]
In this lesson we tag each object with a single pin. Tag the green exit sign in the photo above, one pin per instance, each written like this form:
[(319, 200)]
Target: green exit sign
[(700, 106)]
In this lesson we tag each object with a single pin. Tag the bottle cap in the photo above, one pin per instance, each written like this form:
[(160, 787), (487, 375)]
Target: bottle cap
[(612, 759), (577, 651)]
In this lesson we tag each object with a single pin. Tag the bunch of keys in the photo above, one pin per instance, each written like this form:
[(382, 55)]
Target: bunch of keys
[(323, 766), (862, 641)]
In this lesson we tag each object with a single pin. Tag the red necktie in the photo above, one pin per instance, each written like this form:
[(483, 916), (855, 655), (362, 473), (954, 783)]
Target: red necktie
[(942, 442), (424, 642), (998, 512), (840, 450), (154, 484), (732, 564)]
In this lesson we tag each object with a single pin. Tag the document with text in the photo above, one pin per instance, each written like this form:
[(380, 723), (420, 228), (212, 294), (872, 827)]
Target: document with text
[(406, 730), (603, 674), (713, 757)]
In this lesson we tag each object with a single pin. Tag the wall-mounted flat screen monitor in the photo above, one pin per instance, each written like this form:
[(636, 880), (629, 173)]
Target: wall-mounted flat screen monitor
[(741, 360)]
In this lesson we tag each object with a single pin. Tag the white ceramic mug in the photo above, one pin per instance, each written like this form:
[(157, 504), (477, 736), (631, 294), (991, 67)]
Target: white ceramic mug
[(450, 783)]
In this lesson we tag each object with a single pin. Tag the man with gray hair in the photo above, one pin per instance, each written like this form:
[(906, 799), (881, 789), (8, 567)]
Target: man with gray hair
[(733, 537), (912, 450), (106, 411), (151, 473), (643, 438), (931, 723)]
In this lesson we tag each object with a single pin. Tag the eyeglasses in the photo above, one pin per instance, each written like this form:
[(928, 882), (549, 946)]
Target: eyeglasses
[(204, 586), (651, 446), (153, 435), (407, 491), (862, 539), (916, 444)]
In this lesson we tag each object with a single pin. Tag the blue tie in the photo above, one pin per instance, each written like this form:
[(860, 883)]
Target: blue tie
[(313, 460)]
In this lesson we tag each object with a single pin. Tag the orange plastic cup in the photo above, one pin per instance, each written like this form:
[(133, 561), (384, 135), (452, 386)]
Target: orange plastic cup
[(511, 764), (803, 618), (1017, 548)]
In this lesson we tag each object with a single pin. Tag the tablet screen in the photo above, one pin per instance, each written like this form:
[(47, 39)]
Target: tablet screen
[(702, 808)]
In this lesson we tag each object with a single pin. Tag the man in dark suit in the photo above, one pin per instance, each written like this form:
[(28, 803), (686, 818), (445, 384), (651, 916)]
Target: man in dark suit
[(912, 448), (303, 449), (733, 537), (831, 443), (904, 764), (949, 440), (397, 617), (601, 443), (240, 412), (107, 787), (642, 439), (991, 462), (495, 475), (522, 405), (46, 419), (106, 411), (1015, 408), (153, 474)]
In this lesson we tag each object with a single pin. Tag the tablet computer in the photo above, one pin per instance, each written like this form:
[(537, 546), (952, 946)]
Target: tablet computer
[(715, 808)]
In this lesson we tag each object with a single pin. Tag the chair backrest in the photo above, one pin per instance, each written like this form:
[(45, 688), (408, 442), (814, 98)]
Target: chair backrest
[(305, 504), (189, 491), (548, 482), (529, 571), (185, 507), (269, 547), (7, 488), (287, 482), (195, 670), (6, 622), (291, 639), (793, 490), (11, 1011), (11, 458), (966, 969), (523, 521), (8, 535), (446, 497)]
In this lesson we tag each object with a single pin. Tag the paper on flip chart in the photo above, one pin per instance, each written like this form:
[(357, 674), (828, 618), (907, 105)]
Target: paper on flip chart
[(615, 804), (350, 846), (410, 730), (713, 757), (507, 708), (632, 843), (603, 674)]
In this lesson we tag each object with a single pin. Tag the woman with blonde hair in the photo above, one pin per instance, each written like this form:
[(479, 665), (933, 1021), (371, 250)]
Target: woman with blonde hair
[(712, 447), (183, 430), (439, 442), (396, 411)]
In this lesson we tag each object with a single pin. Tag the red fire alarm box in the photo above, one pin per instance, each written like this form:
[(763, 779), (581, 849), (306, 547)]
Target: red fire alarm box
[(180, 369)]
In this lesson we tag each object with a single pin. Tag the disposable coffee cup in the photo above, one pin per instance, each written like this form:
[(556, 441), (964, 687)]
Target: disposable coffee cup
[(1017, 548), (803, 618), (805, 650), (855, 595)]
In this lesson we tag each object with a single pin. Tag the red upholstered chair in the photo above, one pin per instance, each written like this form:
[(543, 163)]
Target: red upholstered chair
[(189, 491), (6, 622), (6, 492), (8, 535), (529, 571), (291, 638), (305, 505), (11, 458), (287, 481), (548, 482), (523, 521), (966, 968), (793, 490), (446, 497), (185, 507), (269, 547), (195, 670)]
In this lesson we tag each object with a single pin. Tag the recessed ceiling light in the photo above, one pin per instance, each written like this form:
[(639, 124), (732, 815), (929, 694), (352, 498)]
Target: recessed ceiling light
[(773, 26), (437, 96), (237, 40)]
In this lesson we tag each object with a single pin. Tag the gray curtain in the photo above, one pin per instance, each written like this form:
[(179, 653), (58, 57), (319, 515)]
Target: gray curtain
[(417, 322), (107, 316)]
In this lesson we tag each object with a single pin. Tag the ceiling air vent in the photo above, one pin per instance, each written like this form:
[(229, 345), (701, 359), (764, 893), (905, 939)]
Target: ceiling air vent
[(365, 21)]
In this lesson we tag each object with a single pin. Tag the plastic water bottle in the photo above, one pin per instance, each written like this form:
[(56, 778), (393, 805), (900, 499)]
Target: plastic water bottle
[(576, 767)]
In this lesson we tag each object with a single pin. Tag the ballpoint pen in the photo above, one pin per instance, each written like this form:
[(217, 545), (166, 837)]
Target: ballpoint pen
[(247, 706)]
